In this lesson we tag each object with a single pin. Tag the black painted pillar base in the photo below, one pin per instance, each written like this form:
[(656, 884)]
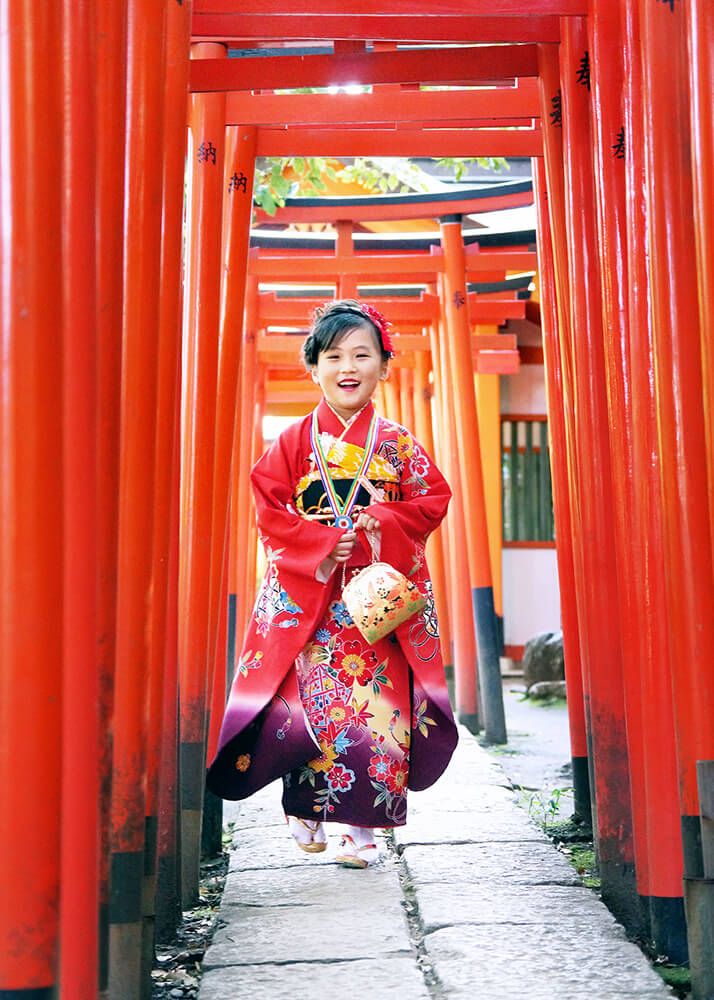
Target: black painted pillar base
[(668, 927), (582, 805), (103, 945), (125, 923), (212, 826), (471, 721), (449, 676), (619, 893), (192, 763), (691, 828), (489, 667), (34, 993)]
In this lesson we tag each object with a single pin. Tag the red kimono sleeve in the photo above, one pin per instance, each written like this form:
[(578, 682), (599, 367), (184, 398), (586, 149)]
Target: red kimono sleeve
[(407, 523), (303, 544)]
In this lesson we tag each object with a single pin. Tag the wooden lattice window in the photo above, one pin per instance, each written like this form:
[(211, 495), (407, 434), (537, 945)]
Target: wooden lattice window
[(525, 473)]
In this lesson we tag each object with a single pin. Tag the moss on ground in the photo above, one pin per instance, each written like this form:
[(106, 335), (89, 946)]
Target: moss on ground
[(678, 977)]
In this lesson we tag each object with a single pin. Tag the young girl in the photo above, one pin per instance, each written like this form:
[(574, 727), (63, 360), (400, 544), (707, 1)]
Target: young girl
[(348, 726)]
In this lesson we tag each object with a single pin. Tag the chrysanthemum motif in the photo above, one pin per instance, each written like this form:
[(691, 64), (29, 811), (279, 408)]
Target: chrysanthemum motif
[(339, 712), (243, 762)]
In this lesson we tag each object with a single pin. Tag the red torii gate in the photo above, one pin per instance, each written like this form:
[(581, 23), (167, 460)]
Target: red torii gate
[(630, 414)]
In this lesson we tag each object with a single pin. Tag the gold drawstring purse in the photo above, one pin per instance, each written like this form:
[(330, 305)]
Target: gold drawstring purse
[(379, 598)]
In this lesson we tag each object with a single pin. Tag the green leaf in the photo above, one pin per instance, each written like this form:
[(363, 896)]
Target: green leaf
[(269, 204), (299, 164)]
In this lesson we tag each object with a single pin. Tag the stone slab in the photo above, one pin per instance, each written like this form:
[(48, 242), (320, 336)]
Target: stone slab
[(476, 825), (542, 962), (376, 886), (383, 978), (335, 929), (456, 865), (477, 903)]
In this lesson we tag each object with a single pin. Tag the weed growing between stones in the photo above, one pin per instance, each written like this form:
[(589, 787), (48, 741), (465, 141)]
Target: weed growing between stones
[(544, 807), (677, 977), (177, 968)]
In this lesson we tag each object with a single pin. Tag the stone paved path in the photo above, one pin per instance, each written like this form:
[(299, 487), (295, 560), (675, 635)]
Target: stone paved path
[(469, 900)]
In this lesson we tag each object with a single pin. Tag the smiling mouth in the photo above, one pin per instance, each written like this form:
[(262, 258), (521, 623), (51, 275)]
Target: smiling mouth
[(348, 384)]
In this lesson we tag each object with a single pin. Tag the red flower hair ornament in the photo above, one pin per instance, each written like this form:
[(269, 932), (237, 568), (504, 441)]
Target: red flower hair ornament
[(382, 324)]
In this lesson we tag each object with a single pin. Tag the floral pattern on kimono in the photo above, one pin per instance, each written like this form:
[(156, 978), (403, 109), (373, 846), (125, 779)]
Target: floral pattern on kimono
[(357, 700), (347, 725)]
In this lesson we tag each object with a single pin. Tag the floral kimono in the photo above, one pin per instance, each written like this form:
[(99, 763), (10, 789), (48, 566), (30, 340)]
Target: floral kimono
[(348, 726)]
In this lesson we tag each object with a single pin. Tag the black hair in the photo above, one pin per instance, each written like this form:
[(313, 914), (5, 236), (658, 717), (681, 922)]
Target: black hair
[(331, 323)]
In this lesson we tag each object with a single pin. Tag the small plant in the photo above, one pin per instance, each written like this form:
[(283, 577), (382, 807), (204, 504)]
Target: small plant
[(677, 977), (582, 858), (543, 807)]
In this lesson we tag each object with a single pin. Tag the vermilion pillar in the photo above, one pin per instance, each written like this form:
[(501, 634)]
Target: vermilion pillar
[(31, 504), (598, 600), (488, 407), (391, 396), (166, 523), (561, 420), (110, 82), (555, 377), (469, 448), (680, 409), (648, 688), (435, 546), (406, 397), (141, 258), (168, 872), (162, 673), (700, 24), (79, 901), (457, 575), (238, 200), (241, 510), (606, 80), (201, 325)]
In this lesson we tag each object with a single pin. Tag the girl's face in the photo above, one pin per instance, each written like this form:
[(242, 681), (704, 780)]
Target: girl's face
[(348, 371)]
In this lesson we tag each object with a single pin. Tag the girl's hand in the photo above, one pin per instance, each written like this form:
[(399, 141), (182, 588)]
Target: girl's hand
[(343, 550), (368, 523)]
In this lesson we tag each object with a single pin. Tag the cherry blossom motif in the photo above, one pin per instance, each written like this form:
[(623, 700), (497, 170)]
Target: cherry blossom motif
[(340, 778), (379, 766)]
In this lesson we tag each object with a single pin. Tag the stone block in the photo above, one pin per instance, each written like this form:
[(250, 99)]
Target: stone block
[(340, 915), (468, 826), (382, 978), (505, 864), (477, 903), (539, 962)]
